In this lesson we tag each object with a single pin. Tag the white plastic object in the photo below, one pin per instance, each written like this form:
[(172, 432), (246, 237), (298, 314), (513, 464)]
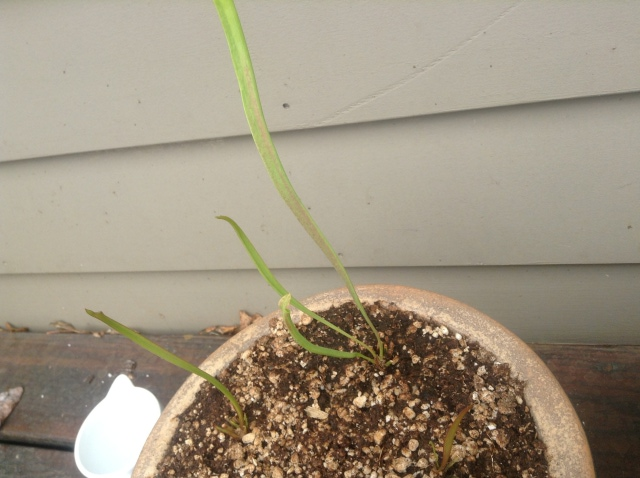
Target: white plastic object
[(113, 434)]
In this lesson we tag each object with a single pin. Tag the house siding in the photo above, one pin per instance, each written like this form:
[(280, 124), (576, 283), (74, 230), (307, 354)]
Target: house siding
[(487, 151)]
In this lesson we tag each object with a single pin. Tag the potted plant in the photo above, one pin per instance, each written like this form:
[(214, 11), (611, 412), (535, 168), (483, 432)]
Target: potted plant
[(372, 381)]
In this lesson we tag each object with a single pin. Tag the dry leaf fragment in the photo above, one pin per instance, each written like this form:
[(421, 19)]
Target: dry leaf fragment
[(246, 319), (63, 327), (227, 330), (219, 330), (8, 327), (8, 401)]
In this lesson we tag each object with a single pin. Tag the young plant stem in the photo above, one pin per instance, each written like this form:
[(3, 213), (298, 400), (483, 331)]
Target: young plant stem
[(239, 426), (243, 68), (282, 292), (284, 303), (451, 434)]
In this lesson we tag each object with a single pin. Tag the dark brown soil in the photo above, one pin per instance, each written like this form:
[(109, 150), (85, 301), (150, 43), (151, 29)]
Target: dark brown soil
[(316, 416)]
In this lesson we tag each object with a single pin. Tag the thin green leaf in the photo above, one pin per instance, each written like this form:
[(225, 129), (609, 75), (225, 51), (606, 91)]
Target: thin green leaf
[(280, 289), (284, 303), (173, 359), (243, 68), (451, 434)]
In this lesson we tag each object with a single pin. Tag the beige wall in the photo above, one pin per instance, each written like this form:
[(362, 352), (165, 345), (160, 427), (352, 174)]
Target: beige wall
[(488, 151)]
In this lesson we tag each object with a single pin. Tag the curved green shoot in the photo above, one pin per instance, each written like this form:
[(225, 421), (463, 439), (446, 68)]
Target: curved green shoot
[(243, 68), (284, 303), (280, 289), (239, 426), (451, 434)]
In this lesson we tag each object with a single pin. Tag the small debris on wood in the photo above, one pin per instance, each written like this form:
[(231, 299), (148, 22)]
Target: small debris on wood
[(62, 327), (246, 320), (226, 330), (130, 368), (8, 327), (8, 401)]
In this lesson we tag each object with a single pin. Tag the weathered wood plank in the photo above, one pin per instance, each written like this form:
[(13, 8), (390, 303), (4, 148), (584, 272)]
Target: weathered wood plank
[(65, 376), (21, 461), (603, 384)]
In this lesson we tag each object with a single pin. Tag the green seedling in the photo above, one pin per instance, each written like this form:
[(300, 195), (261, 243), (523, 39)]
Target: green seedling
[(243, 68), (282, 292), (448, 440), (235, 427), (257, 124), (284, 303)]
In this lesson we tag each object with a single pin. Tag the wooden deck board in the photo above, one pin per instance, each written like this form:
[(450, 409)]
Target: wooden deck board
[(64, 376), (23, 461), (603, 384)]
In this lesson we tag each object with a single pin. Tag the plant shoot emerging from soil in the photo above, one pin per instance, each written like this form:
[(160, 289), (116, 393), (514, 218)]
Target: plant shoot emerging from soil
[(243, 68), (262, 137), (236, 427), (448, 440), (287, 299)]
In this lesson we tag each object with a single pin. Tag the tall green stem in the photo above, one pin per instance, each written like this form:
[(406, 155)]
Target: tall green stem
[(262, 137)]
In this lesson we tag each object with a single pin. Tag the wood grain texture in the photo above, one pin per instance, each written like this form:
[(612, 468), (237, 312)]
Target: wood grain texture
[(29, 462), (65, 376), (602, 382)]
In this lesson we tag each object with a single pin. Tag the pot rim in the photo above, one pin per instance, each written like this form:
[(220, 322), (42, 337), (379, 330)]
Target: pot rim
[(556, 420)]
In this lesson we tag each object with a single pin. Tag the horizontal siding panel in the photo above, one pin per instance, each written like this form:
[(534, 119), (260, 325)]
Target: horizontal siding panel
[(87, 76), (556, 182), (579, 304)]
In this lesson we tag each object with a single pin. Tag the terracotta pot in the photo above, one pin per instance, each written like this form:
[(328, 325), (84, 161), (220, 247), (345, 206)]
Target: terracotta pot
[(557, 423)]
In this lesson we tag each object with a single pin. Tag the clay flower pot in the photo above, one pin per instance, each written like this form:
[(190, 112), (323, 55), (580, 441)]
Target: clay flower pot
[(557, 423)]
